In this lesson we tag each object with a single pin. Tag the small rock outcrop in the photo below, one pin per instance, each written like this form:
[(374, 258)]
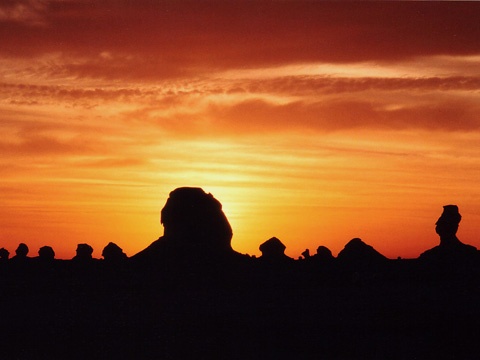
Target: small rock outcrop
[(323, 254), (46, 253), (21, 253), (273, 251), (84, 253), (112, 253), (4, 254), (359, 254)]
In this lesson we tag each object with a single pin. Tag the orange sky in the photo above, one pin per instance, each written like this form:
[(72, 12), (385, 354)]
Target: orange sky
[(313, 122)]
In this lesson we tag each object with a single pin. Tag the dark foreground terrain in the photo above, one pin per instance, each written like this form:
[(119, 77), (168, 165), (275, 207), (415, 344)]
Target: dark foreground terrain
[(399, 310), (189, 295)]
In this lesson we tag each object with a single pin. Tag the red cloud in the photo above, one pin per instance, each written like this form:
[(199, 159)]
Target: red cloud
[(173, 38)]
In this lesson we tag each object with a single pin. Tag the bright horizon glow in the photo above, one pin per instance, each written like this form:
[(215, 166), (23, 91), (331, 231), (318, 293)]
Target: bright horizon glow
[(312, 122)]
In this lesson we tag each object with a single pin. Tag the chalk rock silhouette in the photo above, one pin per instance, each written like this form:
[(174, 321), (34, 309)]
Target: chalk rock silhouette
[(356, 252), (273, 250), (84, 253), (4, 254), (113, 253), (450, 246), (46, 253), (21, 253), (195, 227), (191, 215), (22, 250), (323, 254), (306, 254)]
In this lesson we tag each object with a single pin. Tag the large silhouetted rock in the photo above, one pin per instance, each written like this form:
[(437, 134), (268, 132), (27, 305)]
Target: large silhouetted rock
[(357, 253), (195, 229), (450, 246), (192, 217)]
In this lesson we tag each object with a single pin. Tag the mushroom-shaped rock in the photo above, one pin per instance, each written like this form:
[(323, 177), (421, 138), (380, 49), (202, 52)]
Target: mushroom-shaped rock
[(450, 246), (447, 225), (273, 250)]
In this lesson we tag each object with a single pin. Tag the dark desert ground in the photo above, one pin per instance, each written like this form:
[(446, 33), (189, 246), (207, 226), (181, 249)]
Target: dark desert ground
[(190, 295)]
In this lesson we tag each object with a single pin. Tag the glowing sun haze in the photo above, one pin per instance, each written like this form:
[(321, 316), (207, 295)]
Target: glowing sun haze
[(315, 122)]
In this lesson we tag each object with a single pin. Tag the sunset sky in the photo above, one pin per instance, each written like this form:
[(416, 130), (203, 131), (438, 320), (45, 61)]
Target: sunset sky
[(315, 122)]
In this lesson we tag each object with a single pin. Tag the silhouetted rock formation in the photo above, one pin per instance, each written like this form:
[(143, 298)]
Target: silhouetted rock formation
[(357, 253), (306, 254), (4, 254), (21, 253), (323, 254), (112, 253), (450, 247), (46, 253), (84, 253), (195, 230), (273, 251), (194, 218)]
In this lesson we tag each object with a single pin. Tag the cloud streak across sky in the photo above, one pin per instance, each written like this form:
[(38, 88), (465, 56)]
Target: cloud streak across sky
[(315, 122)]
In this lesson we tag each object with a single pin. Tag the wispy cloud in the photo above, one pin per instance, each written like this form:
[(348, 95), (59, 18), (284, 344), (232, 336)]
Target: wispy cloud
[(27, 12), (216, 106)]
